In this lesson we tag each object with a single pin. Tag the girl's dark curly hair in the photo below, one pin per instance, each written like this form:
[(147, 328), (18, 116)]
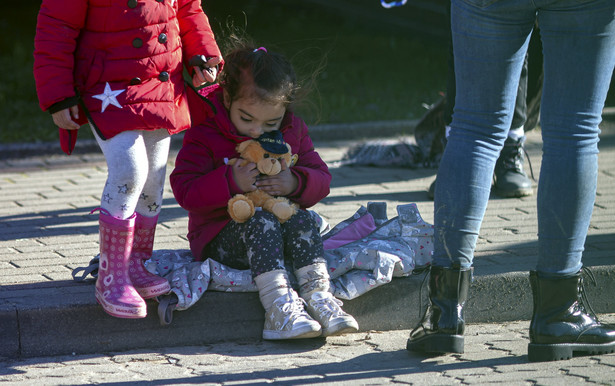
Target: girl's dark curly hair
[(271, 74)]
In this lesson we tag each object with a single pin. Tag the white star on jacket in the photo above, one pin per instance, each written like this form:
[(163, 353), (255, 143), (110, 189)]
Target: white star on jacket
[(109, 97)]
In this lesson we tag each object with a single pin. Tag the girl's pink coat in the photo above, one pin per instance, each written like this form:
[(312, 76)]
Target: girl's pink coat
[(203, 183)]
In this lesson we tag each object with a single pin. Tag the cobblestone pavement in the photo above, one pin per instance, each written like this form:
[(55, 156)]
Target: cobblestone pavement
[(45, 232), (494, 354)]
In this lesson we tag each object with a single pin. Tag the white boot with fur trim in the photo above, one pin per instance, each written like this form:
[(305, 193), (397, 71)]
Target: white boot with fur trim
[(321, 304), (285, 315)]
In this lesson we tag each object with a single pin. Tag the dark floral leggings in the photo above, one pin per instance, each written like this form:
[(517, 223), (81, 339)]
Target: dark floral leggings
[(263, 244)]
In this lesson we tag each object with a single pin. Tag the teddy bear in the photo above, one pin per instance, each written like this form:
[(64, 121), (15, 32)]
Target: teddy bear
[(266, 152)]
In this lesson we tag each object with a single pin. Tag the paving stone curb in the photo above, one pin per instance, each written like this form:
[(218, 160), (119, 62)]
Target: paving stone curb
[(45, 232)]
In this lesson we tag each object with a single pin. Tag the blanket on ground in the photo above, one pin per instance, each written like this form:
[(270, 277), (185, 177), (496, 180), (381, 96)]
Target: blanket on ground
[(362, 253)]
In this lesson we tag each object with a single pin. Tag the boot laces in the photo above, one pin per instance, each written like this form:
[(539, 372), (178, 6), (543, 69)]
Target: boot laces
[(512, 157), (529, 163)]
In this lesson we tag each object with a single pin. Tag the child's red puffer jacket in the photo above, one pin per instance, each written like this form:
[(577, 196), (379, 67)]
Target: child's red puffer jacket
[(122, 58)]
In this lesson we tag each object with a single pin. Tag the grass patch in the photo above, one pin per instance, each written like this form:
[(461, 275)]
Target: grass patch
[(23, 120), (374, 70)]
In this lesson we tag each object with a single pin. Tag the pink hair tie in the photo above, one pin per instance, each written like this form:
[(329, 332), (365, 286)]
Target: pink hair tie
[(260, 49)]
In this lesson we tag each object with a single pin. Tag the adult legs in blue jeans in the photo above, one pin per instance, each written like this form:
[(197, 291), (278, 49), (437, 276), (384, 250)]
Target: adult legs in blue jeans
[(490, 39), (510, 179)]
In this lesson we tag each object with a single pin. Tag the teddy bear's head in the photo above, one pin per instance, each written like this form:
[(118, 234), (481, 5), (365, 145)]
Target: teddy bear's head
[(266, 152)]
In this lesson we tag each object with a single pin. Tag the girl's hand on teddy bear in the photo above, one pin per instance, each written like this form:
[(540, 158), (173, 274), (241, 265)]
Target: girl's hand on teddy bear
[(281, 184), (245, 176)]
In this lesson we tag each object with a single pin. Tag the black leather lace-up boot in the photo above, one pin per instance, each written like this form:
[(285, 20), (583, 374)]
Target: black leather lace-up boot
[(442, 326), (561, 325), (510, 178)]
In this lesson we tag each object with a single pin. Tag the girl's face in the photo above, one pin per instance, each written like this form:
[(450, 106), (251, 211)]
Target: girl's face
[(253, 117)]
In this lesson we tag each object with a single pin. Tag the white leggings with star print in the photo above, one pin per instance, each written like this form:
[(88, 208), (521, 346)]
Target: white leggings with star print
[(136, 166)]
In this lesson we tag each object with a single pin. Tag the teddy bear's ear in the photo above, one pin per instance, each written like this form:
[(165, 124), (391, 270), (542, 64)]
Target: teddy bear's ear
[(293, 160), (243, 145), (289, 157), (251, 151)]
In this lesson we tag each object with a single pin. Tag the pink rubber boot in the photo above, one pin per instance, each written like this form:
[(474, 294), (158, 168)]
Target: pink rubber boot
[(114, 290), (146, 283)]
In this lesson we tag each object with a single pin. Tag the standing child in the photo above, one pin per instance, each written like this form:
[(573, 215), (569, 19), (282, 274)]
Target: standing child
[(118, 65), (254, 95)]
